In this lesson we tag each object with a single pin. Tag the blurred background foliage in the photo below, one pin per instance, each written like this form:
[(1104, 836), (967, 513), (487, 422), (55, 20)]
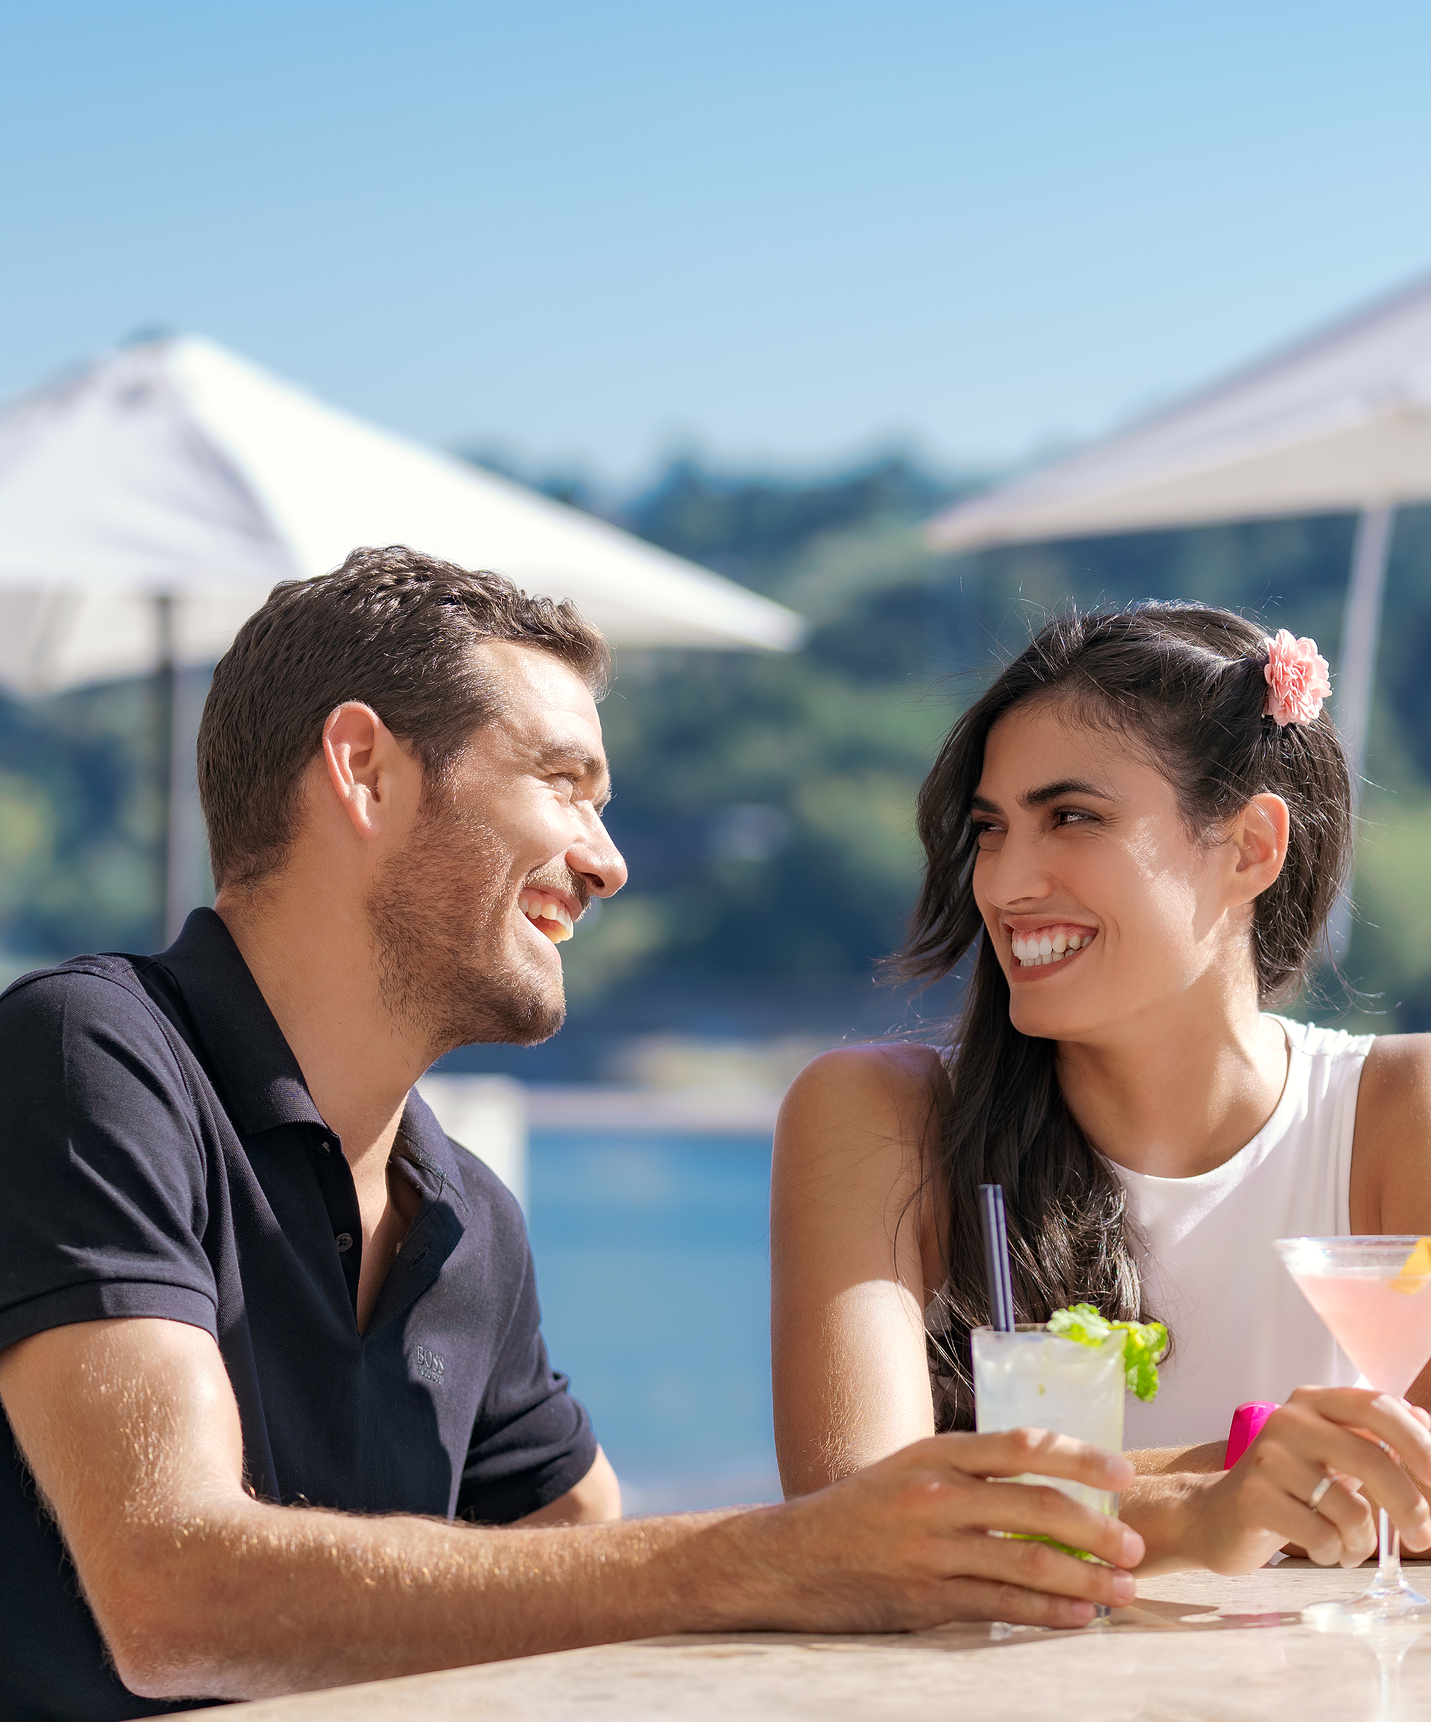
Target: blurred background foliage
[(765, 804)]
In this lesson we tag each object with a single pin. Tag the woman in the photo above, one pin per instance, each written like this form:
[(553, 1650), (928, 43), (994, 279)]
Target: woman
[(1139, 830)]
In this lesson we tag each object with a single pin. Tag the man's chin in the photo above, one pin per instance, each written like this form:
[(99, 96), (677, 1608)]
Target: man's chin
[(528, 1030), (525, 1018)]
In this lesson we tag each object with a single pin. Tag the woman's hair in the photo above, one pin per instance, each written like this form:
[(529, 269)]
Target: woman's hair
[(1185, 685)]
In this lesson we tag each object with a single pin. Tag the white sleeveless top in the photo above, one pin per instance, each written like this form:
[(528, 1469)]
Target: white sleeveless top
[(1241, 1328)]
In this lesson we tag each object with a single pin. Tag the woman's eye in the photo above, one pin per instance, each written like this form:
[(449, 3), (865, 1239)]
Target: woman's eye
[(1074, 816), (985, 835)]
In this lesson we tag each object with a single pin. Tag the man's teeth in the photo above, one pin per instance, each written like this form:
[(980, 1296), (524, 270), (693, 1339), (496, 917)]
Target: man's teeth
[(551, 918), (1049, 945)]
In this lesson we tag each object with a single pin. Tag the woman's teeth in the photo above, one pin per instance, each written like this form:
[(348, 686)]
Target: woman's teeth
[(548, 917), (1049, 945)]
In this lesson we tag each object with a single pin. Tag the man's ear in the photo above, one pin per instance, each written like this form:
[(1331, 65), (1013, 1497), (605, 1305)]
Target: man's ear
[(1258, 840), (363, 759)]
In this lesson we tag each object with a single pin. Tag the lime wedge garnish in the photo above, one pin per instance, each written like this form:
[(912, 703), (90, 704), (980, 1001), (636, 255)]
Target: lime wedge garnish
[(1415, 1270)]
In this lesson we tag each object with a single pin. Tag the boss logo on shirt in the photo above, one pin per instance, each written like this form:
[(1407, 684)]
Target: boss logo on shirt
[(428, 1364)]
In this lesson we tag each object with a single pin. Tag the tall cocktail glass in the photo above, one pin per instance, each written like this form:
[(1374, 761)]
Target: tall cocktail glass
[(1034, 1378), (1379, 1313)]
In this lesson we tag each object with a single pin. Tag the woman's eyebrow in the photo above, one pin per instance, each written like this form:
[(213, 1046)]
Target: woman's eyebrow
[(1064, 786)]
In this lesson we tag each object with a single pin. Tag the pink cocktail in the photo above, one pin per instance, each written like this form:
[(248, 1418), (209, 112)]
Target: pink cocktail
[(1374, 1295), (1386, 1332)]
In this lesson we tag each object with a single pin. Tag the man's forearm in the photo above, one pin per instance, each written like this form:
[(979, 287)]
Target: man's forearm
[(278, 1599)]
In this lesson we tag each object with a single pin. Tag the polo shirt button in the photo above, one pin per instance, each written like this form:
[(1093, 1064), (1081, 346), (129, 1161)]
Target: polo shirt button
[(344, 1241)]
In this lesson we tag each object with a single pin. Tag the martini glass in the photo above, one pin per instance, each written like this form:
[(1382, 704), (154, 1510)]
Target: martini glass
[(1375, 1299)]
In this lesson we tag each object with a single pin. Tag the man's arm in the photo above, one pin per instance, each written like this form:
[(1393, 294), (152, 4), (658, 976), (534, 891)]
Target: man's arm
[(131, 1431)]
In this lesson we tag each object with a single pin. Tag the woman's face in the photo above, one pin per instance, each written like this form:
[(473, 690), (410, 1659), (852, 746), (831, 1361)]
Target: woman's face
[(1101, 907)]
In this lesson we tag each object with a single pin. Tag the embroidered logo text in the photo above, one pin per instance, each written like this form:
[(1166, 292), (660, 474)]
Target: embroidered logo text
[(428, 1364)]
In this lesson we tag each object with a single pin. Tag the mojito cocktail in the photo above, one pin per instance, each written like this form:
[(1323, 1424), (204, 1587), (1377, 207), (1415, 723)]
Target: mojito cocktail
[(1034, 1378)]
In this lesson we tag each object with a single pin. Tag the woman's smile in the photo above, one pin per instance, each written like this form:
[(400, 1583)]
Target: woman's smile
[(1037, 951)]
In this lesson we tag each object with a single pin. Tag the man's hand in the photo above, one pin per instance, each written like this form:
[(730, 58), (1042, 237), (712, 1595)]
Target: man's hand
[(133, 1436), (905, 1543), (1232, 1522)]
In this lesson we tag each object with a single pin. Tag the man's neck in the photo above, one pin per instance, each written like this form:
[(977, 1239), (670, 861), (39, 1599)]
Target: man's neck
[(1179, 1093), (310, 952)]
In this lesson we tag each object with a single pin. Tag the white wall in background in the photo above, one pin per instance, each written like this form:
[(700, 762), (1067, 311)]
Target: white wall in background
[(488, 1116)]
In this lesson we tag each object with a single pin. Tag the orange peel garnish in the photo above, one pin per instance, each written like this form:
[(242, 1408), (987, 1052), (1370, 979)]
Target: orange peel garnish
[(1415, 1270)]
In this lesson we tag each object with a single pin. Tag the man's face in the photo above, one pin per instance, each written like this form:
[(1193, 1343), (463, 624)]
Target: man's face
[(498, 865)]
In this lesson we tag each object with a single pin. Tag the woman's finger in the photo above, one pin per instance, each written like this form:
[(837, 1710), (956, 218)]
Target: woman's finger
[(1332, 1447), (1381, 1415), (1347, 1533), (1354, 1521)]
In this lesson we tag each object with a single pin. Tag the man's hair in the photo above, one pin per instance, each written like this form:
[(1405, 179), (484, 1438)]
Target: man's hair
[(391, 628)]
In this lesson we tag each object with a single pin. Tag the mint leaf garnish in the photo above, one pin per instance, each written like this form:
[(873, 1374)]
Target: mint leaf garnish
[(1143, 1343)]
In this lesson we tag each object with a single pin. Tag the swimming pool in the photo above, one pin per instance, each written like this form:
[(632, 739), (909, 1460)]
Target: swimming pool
[(653, 1263)]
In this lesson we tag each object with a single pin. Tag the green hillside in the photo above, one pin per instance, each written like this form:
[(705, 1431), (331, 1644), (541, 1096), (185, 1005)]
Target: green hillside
[(765, 802)]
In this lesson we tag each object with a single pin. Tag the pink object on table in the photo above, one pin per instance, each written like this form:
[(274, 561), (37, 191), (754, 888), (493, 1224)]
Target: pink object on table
[(1247, 1423)]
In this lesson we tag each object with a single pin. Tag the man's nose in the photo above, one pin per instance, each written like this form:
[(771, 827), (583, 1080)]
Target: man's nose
[(597, 859)]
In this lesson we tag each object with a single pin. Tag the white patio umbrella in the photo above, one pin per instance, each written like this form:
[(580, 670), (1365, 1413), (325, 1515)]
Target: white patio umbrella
[(148, 504), (1338, 422)]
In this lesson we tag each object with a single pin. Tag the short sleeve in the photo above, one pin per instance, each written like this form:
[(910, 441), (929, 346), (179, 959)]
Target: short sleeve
[(532, 1441), (100, 1159)]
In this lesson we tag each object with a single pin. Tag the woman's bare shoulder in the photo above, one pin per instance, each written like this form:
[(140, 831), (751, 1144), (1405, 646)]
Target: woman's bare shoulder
[(1396, 1082), (1391, 1167), (890, 1085)]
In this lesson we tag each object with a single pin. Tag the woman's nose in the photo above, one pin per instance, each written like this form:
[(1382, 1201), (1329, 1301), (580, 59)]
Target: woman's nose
[(1017, 874)]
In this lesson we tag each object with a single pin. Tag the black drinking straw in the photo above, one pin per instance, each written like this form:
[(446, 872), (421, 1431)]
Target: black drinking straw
[(996, 1257)]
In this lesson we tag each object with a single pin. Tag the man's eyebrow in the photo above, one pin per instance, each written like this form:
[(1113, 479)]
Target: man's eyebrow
[(589, 764)]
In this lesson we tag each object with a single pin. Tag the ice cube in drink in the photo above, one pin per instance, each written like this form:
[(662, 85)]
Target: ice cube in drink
[(1034, 1378)]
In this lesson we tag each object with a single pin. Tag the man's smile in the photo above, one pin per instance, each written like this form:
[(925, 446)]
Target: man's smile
[(550, 912)]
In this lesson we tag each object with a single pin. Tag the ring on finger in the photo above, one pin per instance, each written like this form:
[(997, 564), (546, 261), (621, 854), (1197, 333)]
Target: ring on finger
[(1318, 1495)]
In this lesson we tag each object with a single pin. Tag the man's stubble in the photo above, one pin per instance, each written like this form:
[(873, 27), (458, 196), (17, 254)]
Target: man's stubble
[(440, 914)]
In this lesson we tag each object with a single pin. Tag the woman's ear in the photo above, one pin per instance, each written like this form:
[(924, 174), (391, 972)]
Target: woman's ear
[(1258, 840)]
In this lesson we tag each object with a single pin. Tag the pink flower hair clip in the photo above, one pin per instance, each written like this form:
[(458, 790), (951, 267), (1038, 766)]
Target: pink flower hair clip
[(1298, 680)]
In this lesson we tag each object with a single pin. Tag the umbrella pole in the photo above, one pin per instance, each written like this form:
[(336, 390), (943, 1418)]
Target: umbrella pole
[(162, 685), (175, 734), (1356, 673)]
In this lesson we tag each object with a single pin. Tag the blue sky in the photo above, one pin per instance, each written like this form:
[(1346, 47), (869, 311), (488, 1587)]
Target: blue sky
[(781, 231)]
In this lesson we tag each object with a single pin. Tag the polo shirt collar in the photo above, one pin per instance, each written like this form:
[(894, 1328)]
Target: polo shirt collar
[(252, 1064), (424, 1142)]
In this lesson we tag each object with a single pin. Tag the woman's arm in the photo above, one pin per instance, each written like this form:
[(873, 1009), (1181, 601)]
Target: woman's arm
[(1229, 1521), (852, 1249)]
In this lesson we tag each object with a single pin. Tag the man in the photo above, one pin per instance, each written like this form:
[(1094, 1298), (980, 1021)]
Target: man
[(282, 1416)]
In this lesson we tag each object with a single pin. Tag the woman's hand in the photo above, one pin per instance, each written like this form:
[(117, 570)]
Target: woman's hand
[(1260, 1505)]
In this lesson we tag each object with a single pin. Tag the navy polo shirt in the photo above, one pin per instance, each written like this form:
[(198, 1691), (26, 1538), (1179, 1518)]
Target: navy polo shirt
[(160, 1155)]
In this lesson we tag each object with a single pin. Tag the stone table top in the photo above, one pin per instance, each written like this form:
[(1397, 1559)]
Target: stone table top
[(1193, 1648)]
